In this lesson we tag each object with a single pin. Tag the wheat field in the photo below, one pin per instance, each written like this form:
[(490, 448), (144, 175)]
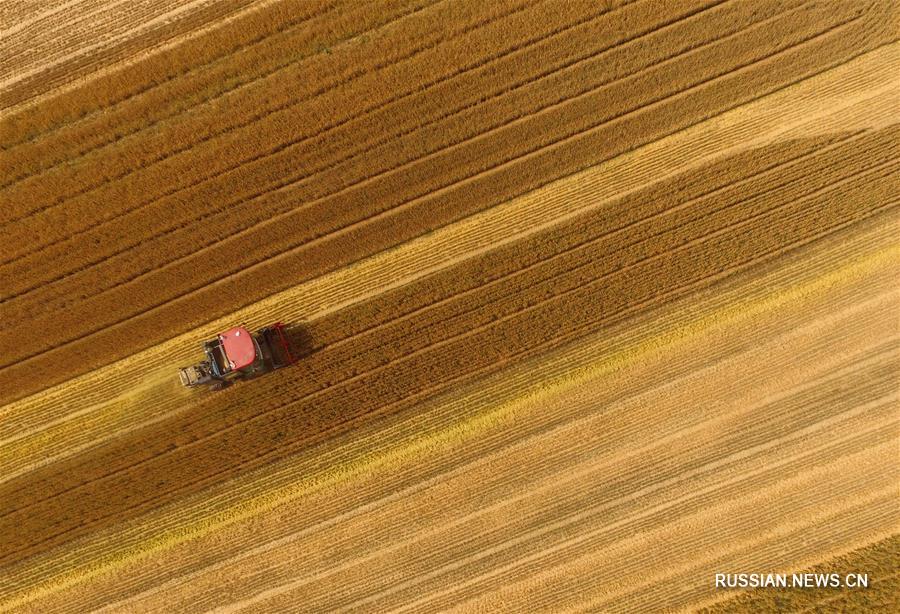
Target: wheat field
[(593, 301)]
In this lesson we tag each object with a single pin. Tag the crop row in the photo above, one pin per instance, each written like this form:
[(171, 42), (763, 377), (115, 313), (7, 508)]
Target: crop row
[(105, 93), (225, 223), (310, 31), (84, 64), (588, 247), (545, 522), (603, 140), (207, 197), (617, 217), (315, 514), (230, 436), (217, 226), (160, 159)]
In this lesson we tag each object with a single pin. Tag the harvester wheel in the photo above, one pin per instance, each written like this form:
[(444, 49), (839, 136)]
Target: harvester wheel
[(217, 385)]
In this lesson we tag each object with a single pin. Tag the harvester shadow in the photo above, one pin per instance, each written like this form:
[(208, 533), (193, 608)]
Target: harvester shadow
[(299, 339)]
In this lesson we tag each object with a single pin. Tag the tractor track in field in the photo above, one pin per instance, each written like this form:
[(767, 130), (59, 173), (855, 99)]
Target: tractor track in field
[(527, 258), (836, 327), (109, 277), (38, 80), (554, 196), (291, 144), (346, 393)]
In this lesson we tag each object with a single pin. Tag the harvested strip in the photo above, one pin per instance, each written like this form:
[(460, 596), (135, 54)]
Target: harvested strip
[(309, 32), (777, 319), (164, 24), (501, 225), (878, 560), (249, 439), (187, 239), (438, 208)]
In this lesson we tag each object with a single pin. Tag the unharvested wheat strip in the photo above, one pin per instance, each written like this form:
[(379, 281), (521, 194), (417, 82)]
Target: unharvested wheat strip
[(501, 225), (115, 29), (17, 451), (564, 478), (227, 66), (135, 58), (393, 211), (720, 302), (248, 505), (197, 296), (653, 169)]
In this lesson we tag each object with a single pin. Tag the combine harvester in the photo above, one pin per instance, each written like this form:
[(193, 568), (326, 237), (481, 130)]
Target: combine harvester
[(237, 354)]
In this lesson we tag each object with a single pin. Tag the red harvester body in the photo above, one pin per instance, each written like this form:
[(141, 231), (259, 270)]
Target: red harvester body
[(238, 354)]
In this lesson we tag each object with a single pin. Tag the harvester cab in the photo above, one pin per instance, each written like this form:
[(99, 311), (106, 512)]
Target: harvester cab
[(238, 354)]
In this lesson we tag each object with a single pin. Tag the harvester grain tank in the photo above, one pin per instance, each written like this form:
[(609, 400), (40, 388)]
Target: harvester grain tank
[(238, 354)]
